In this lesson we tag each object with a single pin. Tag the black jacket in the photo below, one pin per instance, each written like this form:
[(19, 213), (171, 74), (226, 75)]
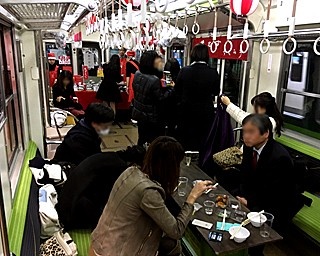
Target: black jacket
[(271, 187), (67, 93), (195, 90), (80, 142), (86, 192), (148, 95)]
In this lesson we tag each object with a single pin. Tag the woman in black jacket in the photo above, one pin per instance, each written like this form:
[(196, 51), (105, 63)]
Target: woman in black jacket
[(148, 95), (196, 87), (109, 90), (64, 96)]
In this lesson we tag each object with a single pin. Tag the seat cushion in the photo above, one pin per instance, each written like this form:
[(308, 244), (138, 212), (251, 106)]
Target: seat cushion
[(308, 218), (82, 240)]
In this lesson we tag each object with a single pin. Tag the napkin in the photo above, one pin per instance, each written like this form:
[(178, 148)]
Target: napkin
[(227, 226)]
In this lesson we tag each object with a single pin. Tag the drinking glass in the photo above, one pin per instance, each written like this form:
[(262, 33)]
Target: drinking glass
[(266, 227), (182, 186), (208, 207)]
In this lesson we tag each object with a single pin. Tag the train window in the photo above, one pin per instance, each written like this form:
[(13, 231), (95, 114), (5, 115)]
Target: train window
[(301, 92)]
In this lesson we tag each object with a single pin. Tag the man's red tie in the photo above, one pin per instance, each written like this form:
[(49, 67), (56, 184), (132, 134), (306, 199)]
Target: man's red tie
[(254, 160)]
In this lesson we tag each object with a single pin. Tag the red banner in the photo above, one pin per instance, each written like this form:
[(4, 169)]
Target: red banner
[(221, 49), (85, 72), (77, 37)]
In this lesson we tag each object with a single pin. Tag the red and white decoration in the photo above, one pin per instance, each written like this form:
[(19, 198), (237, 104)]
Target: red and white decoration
[(243, 7), (133, 2)]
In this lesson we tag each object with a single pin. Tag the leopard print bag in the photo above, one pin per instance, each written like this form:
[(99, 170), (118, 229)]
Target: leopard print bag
[(228, 158), (60, 244)]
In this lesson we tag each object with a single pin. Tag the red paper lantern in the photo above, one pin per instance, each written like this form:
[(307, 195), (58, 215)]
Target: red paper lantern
[(134, 2), (243, 7)]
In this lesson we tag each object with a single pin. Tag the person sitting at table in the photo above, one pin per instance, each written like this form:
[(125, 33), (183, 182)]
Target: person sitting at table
[(263, 103), (136, 216), (267, 170), (83, 140), (64, 96), (109, 91), (87, 189)]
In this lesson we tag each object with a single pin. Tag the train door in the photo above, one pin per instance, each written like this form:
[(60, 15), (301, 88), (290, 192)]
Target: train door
[(300, 91), (12, 125)]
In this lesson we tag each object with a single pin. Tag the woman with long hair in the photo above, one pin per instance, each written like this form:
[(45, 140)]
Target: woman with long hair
[(109, 91), (64, 96), (263, 103), (136, 215)]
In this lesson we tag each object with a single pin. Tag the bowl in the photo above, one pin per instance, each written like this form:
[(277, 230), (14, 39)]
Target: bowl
[(241, 236), (255, 220)]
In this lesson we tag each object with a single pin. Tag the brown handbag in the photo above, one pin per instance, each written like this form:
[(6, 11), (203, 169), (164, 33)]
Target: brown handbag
[(228, 158)]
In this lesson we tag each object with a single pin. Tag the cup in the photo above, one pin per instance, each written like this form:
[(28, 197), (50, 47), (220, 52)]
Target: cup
[(183, 181), (266, 226), (208, 207)]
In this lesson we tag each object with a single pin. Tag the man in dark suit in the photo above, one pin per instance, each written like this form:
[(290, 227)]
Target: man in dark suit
[(267, 169)]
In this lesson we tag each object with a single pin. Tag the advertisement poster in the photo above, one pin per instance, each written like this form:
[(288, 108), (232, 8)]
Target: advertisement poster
[(85, 71), (64, 60)]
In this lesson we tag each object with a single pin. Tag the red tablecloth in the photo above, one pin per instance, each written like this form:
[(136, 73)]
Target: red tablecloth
[(87, 97)]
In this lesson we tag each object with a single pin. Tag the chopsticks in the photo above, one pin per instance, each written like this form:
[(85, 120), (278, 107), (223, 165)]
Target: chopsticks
[(214, 187), (244, 223), (177, 186), (224, 219)]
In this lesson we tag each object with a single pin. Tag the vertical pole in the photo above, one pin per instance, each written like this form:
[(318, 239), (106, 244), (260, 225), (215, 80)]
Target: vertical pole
[(243, 83), (3, 226), (223, 62)]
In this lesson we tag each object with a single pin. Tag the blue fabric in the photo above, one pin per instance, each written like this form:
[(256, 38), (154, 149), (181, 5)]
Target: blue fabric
[(220, 136)]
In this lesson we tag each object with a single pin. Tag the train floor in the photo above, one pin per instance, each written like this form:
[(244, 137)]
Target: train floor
[(123, 135)]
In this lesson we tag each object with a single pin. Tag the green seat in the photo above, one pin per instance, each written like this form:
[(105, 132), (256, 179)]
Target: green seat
[(20, 203), (82, 240), (308, 218)]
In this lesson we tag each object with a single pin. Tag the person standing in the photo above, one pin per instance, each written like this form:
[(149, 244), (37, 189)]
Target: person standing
[(132, 67), (148, 95), (109, 91), (54, 68), (169, 110), (196, 87), (123, 63)]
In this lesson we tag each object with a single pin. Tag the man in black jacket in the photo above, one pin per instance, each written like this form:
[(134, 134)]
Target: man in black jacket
[(83, 140), (267, 171)]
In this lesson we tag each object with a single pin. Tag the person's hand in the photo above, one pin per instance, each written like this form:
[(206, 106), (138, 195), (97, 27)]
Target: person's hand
[(199, 188), (172, 84), (242, 200), (60, 98), (225, 100)]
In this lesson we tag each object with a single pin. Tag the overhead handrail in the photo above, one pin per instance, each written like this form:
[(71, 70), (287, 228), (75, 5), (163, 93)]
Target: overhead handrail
[(244, 45), (266, 29), (291, 32), (228, 45), (185, 26), (214, 42), (315, 46), (196, 26), (161, 7)]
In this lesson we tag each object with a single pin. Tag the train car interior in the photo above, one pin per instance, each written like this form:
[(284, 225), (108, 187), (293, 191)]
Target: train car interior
[(64, 59)]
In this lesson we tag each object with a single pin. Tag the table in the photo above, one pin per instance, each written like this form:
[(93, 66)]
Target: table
[(86, 97), (227, 246)]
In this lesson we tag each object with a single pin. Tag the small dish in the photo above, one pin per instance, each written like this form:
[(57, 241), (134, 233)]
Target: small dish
[(238, 215), (222, 201), (241, 235)]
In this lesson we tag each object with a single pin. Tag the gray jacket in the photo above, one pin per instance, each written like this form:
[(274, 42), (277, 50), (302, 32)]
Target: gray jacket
[(136, 217)]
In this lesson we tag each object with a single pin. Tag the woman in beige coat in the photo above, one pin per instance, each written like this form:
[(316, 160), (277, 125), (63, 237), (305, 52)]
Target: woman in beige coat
[(136, 218)]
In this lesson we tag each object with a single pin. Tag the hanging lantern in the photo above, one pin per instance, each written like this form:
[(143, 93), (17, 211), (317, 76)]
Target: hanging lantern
[(133, 2), (243, 7)]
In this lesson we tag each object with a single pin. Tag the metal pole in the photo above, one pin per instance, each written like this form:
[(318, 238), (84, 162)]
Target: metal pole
[(243, 83), (222, 75)]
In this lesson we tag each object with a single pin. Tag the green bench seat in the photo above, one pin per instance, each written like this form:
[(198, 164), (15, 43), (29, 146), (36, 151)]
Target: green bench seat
[(308, 218), (82, 240)]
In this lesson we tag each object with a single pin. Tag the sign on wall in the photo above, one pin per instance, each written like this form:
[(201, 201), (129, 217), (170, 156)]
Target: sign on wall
[(64, 60), (217, 48)]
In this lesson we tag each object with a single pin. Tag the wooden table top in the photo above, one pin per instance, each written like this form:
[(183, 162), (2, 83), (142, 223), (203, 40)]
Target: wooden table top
[(226, 246)]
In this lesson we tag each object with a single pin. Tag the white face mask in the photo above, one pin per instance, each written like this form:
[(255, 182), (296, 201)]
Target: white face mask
[(104, 132)]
